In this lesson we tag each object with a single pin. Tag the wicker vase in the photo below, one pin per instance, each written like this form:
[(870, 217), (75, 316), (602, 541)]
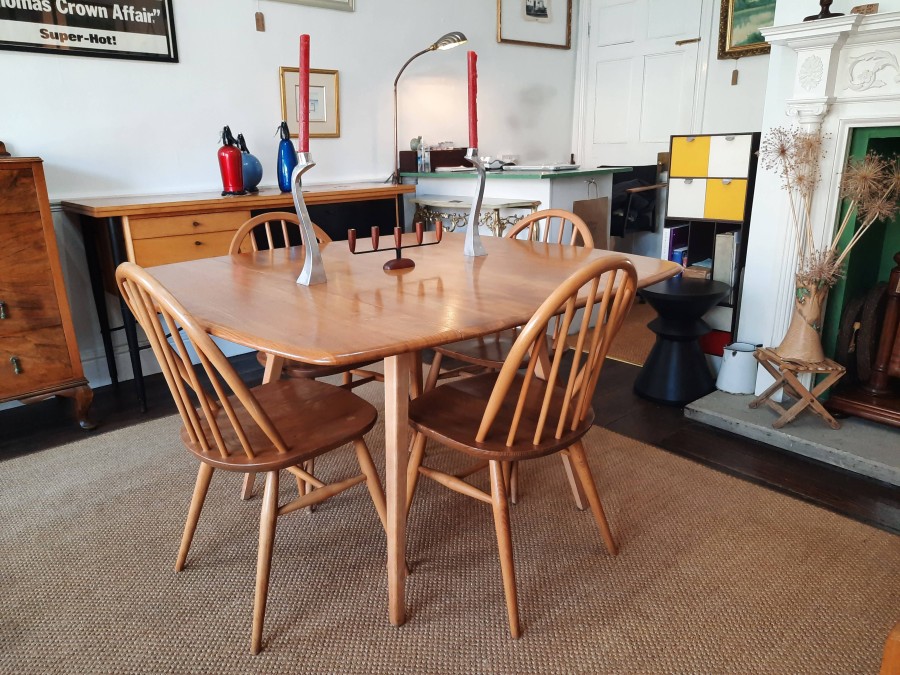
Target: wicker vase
[(803, 341)]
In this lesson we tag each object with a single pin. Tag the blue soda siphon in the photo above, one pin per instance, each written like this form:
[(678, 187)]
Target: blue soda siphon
[(287, 158), (250, 166)]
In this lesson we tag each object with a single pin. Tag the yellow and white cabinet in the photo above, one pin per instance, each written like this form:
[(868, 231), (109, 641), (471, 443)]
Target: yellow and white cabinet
[(710, 175)]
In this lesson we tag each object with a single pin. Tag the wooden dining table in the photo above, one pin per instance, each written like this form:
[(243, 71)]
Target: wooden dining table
[(363, 313)]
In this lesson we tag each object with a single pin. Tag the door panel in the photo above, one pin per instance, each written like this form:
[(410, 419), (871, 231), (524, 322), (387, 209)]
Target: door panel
[(617, 26), (662, 96), (611, 121)]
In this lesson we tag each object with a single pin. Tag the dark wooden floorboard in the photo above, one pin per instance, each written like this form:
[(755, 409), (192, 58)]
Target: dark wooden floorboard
[(50, 423)]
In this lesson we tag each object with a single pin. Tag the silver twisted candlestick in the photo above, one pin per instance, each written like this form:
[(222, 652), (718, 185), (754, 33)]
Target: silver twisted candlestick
[(313, 271), (473, 246)]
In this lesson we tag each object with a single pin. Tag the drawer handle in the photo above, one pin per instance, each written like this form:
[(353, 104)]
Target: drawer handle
[(196, 223), (198, 243), (16, 364), (729, 138), (3, 310), (726, 181), (688, 181)]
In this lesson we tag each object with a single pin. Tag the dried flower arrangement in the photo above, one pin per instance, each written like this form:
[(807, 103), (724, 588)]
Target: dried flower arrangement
[(872, 187), (871, 184)]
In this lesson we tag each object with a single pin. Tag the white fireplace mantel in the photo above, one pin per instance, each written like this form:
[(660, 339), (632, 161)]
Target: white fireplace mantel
[(834, 75)]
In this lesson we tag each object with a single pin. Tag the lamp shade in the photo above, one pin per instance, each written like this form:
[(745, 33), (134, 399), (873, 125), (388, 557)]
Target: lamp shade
[(450, 40)]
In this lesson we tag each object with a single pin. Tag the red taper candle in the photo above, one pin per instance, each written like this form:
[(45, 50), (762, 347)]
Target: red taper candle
[(473, 101), (303, 103)]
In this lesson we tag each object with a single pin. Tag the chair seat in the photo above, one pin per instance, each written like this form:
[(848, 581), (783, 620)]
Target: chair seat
[(452, 414), (489, 351), (310, 370), (312, 417)]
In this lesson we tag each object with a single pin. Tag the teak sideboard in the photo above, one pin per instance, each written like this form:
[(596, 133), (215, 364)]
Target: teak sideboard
[(159, 229), (38, 353)]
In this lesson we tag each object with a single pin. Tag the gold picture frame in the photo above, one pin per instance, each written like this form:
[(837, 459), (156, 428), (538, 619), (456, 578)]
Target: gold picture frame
[(343, 5), (739, 25), (324, 101), (535, 23)]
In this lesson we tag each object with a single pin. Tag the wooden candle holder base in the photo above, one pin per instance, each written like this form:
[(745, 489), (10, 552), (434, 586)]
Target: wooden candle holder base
[(398, 264)]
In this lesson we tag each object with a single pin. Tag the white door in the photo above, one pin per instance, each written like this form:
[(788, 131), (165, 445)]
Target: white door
[(639, 78)]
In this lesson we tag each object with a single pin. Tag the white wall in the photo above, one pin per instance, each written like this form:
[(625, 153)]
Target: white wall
[(114, 127)]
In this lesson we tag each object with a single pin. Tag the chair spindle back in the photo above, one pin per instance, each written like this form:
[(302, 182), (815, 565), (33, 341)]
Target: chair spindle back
[(565, 393), (166, 321), (278, 229), (556, 226)]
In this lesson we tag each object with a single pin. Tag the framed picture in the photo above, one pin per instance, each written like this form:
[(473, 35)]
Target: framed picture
[(103, 28), (739, 25), (537, 23), (324, 101), (344, 5)]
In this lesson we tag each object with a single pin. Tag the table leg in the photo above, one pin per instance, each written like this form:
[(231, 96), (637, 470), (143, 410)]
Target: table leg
[(134, 350), (396, 412), (99, 293)]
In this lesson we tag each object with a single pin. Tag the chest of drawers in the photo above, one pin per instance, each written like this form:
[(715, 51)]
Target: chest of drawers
[(38, 352)]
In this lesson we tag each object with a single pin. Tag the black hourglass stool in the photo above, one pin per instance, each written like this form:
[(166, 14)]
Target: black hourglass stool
[(676, 372)]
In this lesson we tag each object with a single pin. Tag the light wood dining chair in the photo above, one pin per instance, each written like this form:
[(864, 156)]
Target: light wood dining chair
[(550, 226), (266, 429), (490, 352), (281, 229), (512, 416)]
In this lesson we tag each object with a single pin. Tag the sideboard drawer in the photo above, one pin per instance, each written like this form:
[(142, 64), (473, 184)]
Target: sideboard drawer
[(165, 250), (43, 361), (27, 306), (173, 226)]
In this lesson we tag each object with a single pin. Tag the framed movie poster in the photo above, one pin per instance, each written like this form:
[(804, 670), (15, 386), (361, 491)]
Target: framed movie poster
[(107, 28)]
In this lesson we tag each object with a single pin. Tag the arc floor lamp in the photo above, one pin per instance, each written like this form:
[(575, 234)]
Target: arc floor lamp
[(448, 41)]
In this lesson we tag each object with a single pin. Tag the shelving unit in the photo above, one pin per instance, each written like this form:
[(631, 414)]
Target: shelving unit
[(711, 183)]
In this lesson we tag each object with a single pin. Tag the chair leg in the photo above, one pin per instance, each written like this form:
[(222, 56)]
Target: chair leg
[(247, 490), (416, 453), (514, 482), (372, 481), (434, 372), (201, 486), (579, 459), (574, 482), (504, 544), (264, 557)]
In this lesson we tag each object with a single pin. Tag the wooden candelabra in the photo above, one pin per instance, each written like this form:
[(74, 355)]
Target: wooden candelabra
[(398, 262)]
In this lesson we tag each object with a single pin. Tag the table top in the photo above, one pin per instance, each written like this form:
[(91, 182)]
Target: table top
[(207, 202), (363, 312), (523, 175)]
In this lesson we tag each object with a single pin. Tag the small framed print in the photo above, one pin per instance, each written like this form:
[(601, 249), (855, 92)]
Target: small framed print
[(535, 23), (324, 101)]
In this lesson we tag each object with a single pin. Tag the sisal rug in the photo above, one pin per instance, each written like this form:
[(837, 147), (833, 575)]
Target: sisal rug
[(634, 340), (715, 575)]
